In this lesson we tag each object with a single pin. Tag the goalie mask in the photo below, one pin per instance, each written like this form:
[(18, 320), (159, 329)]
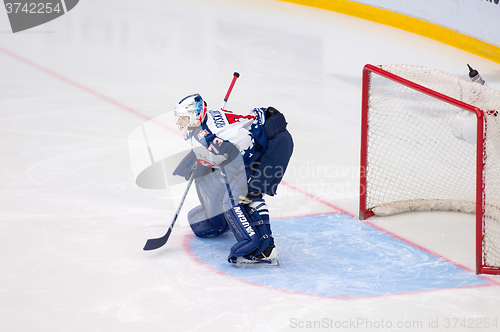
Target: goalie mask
[(190, 111)]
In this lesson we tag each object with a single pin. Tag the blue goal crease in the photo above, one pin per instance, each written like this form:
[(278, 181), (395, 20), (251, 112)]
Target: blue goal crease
[(339, 256)]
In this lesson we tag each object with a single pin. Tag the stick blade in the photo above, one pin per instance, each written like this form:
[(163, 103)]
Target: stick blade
[(153, 244)]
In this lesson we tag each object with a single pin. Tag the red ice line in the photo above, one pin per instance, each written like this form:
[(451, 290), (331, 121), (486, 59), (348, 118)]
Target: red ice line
[(78, 85)]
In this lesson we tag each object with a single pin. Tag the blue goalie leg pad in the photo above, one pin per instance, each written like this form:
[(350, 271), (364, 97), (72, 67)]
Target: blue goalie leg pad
[(259, 215), (206, 227), (251, 231), (246, 235)]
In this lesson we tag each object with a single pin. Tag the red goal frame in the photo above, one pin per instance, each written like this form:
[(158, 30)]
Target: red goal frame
[(365, 212)]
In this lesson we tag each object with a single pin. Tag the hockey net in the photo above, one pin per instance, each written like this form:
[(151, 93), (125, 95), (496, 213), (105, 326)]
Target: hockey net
[(431, 141)]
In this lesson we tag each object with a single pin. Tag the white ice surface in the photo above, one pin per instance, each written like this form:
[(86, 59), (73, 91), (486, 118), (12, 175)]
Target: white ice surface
[(72, 221)]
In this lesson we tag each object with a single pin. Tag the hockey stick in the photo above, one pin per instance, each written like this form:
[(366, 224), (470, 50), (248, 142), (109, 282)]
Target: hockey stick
[(153, 244), (235, 76)]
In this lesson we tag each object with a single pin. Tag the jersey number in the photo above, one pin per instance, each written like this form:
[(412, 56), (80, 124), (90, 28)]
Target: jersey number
[(218, 141)]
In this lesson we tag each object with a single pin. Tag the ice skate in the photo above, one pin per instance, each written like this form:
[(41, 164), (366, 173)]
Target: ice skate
[(269, 258)]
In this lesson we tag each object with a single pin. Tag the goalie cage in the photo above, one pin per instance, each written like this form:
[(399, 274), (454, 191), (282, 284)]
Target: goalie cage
[(431, 141)]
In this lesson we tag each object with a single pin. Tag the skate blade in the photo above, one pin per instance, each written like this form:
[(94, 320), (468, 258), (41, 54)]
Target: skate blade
[(259, 265)]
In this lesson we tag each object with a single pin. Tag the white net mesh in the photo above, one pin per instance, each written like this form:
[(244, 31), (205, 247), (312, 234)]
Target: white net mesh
[(421, 151)]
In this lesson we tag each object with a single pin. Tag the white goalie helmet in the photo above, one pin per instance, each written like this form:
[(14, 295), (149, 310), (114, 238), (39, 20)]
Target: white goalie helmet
[(190, 111)]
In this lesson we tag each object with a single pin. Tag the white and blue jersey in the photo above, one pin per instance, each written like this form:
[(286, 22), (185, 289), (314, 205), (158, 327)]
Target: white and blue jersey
[(222, 130)]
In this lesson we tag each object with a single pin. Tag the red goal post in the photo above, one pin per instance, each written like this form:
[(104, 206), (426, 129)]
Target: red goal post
[(431, 141)]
